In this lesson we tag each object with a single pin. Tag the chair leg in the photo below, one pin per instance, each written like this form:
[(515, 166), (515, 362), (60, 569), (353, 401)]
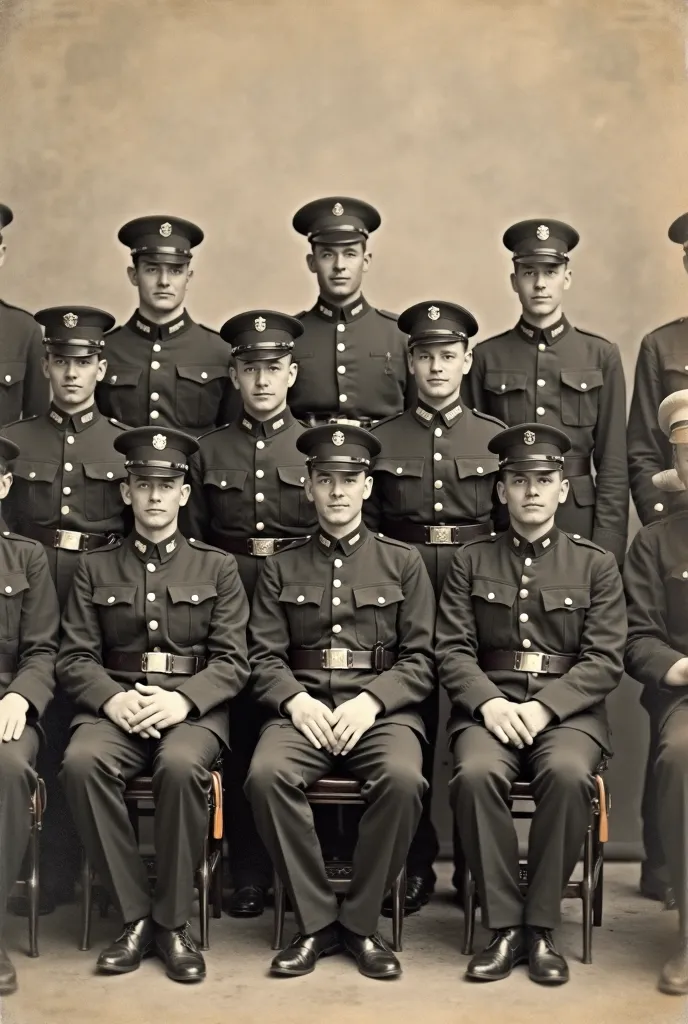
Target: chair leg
[(203, 877), (32, 887), (587, 889), (216, 882), (86, 903), (468, 912), (599, 891), (398, 898), (280, 905)]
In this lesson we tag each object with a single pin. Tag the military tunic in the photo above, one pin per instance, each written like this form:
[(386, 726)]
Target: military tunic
[(24, 390), (172, 375), (564, 377), (559, 595), (353, 594), (177, 598), (352, 364)]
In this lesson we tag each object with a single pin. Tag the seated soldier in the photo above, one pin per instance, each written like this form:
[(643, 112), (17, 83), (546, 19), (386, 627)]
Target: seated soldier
[(341, 657), (531, 630), (153, 648)]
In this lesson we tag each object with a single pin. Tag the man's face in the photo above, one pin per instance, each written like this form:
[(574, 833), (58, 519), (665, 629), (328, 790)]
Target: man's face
[(438, 369), (263, 384), (541, 286), (338, 497), (162, 286), (339, 269), (532, 497), (73, 379), (5, 481), (155, 500)]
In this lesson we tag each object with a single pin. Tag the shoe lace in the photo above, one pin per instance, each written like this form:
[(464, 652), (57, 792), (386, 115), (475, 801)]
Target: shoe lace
[(187, 939)]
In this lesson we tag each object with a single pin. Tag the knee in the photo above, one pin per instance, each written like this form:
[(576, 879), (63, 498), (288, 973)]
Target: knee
[(79, 765), (403, 782), (475, 775), (14, 767), (177, 771), (266, 776), (565, 773), (672, 757)]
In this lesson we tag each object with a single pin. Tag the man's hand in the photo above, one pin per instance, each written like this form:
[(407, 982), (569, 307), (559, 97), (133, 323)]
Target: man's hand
[(535, 716), (13, 708), (677, 674), (121, 708), (314, 719), (502, 719), (159, 709), (352, 718)]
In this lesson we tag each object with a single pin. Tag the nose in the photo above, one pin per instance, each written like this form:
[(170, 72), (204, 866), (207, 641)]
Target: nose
[(163, 275), (336, 490), (261, 377), (338, 260), (531, 489), (434, 364)]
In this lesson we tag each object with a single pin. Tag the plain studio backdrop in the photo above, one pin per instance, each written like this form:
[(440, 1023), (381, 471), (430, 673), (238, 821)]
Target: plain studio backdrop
[(454, 117)]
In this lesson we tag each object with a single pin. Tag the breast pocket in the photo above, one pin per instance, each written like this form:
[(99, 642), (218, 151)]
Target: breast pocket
[(102, 497), (493, 602), (121, 395), (11, 391), (189, 611), (114, 603), (35, 489), (675, 375), (301, 604), (12, 588), (377, 606), (224, 491), (295, 508), (676, 587), (507, 394), (565, 609), (474, 486), (580, 396), (199, 393), (401, 484)]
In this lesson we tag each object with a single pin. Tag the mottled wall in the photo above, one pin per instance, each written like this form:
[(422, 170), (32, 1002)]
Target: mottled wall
[(455, 117)]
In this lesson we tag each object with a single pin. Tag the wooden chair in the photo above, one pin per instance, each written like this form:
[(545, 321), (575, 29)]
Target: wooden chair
[(29, 884), (589, 889), (139, 799), (340, 792)]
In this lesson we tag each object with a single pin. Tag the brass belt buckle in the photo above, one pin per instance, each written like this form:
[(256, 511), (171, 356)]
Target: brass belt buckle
[(69, 540), (529, 661), (440, 535), (261, 547), (156, 661), (337, 657)]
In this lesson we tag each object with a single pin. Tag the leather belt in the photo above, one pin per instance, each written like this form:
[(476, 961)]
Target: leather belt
[(323, 420), (8, 663), (259, 547), (342, 658), (419, 533), (67, 540), (155, 661), (526, 661), (577, 465)]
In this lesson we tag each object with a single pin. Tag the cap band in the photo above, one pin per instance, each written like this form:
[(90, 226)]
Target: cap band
[(531, 458), (346, 459), (155, 464)]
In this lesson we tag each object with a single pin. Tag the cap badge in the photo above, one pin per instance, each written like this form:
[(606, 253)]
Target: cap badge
[(529, 437), (338, 438), (70, 319), (159, 442), (260, 323), (338, 209), (542, 232), (166, 229), (433, 313)]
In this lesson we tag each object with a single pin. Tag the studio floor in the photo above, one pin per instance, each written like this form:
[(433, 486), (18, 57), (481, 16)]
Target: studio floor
[(634, 940)]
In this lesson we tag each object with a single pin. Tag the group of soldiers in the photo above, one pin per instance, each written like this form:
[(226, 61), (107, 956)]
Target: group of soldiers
[(281, 538)]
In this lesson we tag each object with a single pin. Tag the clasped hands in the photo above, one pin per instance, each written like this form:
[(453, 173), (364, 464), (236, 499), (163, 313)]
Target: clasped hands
[(146, 710), (337, 731), (515, 724)]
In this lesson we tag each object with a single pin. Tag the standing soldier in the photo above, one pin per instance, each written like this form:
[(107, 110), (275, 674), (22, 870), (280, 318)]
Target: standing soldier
[(548, 371), (154, 647), (247, 497), (434, 487), (23, 388), (166, 369), (66, 495), (531, 629), (352, 357)]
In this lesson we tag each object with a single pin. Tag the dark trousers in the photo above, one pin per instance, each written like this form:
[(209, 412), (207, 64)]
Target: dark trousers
[(671, 772), (99, 760), (389, 761), (652, 839), (560, 766), (17, 786), (249, 861), (60, 845)]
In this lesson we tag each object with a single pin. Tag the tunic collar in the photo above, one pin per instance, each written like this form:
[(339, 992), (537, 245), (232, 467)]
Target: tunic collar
[(162, 552), (266, 428), (344, 545), (547, 335), (533, 550), (64, 421), (425, 414), (335, 314), (145, 328)]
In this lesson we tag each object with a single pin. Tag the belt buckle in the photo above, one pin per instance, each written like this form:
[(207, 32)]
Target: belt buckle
[(529, 661), (440, 535), (337, 657), (68, 540), (261, 547), (156, 661)]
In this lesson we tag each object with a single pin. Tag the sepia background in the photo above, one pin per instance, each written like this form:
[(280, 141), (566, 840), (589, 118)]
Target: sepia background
[(454, 117)]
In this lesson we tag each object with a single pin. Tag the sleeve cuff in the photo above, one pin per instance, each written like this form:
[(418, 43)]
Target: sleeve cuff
[(479, 693)]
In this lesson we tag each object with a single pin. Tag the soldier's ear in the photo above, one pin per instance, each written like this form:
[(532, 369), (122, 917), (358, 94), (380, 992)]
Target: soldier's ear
[(310, 263), (189, 275), (133, 276), (501, 491), (563, 490), (367, 260), (367, 487), (3, 250), (102, 369), (293, 373), (568, 274), (44, 367), (467, 361), (514, 282), (125, 491), (308, 486), (5, 483), (185, 493), (409, 360), (234, 377)]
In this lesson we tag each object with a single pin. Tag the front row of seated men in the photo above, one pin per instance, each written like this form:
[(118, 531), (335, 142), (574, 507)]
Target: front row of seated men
[(530, 638)]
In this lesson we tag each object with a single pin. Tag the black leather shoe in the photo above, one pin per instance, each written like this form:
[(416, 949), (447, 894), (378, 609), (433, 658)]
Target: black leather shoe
[(248, 901), (506, 949), (303, 952), (372, 954), (8, 975), (128, 950), (674, 977), (545, 964), (419, 889), (181, 956)]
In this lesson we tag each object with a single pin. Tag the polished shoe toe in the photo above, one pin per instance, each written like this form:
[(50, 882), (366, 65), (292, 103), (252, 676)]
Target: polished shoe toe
[(246, 901), (546, 965), (505, 950), (128, 950), (303, 952), (8, 975), (674, 977), (372, 954), (181, 956), (419, 889)]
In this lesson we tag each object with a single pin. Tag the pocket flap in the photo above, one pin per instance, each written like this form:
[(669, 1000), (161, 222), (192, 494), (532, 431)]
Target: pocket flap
[(494, 591), (680, 573), (568, 598), (301, 593), (11, 373), (675, 365), (380, 595), (400, 467), (29, 469), (105, 470), (125, 377), (12, 583), (114, 593), (582, 380), (293, 475), (477, 467), (226, 479), (201, 374), (191, 593), (500, 381), (583, 488)]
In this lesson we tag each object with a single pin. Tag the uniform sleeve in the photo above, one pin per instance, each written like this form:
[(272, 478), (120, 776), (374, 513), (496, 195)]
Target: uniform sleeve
[(610, 527), (194, 517), (36, 398), (648, 450), (38, 633), (456, 645), (412, 678), (226, 671), (648, 655), (272, 680), (599, 667)]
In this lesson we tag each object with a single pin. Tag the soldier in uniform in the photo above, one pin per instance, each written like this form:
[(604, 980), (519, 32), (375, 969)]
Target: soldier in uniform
[(656, 579), (165, 369), (352, 357), (31, 618), (340, 647), (247, 497), (153, 648), (23, 388), (66, 494), (531, 628), (548, 371), (434, 487)]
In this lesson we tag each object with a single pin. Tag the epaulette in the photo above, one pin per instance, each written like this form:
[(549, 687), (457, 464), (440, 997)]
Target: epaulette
[(584, 542), (113, 543), (20, 309), (591, 334), (487, 538), (387, 419), (493, 337), (492, 419), (386, 312), (116, 423), (23, 419), (384, 539), (11, 535), (297, 542), (200, 545), (671, 323), (214, 430)]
